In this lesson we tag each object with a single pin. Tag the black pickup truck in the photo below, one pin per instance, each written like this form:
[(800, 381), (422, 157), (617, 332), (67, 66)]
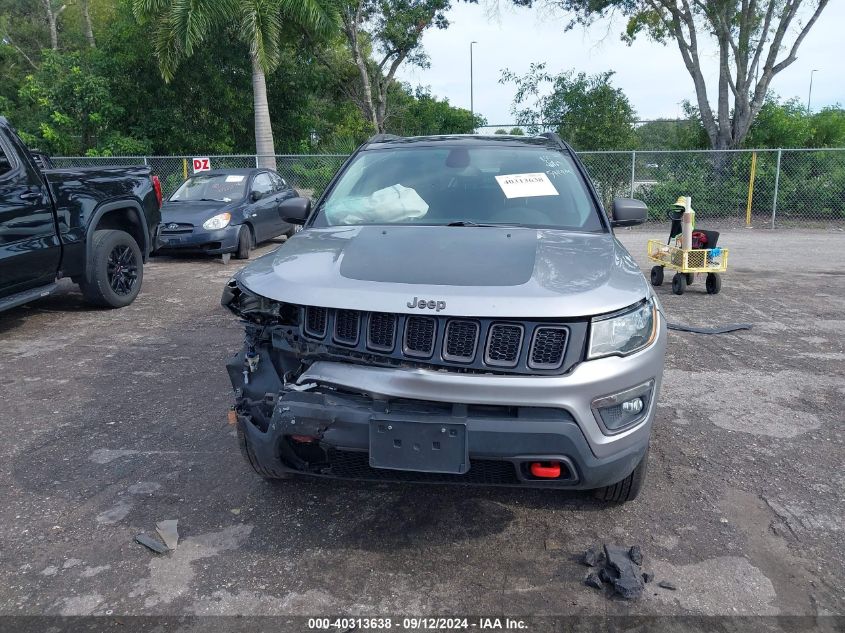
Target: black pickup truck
[(96, 226)]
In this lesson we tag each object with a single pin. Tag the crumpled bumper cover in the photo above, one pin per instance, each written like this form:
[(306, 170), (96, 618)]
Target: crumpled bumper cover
[(499, 447)]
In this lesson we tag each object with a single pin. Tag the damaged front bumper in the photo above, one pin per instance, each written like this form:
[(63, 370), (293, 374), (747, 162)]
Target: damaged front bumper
[(321, 418)]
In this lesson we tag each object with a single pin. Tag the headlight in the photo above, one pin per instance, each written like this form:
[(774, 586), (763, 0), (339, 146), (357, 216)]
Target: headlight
[(219, 221), (625, 333)]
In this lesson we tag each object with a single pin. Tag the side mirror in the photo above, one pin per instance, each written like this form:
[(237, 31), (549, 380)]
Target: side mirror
[(295, 210), (255, 196), (628, 212)]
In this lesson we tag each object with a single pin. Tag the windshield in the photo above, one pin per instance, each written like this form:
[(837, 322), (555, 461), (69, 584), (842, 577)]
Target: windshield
[(461, 186), (217, 187)]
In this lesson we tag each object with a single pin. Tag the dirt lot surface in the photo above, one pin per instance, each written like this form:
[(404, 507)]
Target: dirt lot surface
[(114, 420)]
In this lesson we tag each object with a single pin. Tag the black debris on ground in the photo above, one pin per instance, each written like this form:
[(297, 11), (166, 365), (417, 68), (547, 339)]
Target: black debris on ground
[(593, 556), (619, 568), (667, 585), (593, 580), (636, 554), (151, 543)]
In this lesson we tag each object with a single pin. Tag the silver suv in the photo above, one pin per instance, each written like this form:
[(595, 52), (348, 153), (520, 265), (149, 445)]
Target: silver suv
[(455, 309)]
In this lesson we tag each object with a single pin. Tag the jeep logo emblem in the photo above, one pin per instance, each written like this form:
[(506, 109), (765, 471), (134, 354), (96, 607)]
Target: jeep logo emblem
[(427, 304)]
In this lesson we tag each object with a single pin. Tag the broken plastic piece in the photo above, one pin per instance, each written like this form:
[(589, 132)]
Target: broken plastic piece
[(629, 583), (667, 585), (592, 556), (592, 580), (169, 532), (724, 329), (303, 387), (150, 543), (635, 554)]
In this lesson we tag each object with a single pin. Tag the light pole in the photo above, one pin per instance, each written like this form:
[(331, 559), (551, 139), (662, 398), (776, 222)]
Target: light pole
[(810, 93), (471, 103)]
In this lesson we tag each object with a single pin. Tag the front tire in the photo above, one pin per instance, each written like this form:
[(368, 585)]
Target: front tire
[(115, 270), (244, 243), (629, 488)]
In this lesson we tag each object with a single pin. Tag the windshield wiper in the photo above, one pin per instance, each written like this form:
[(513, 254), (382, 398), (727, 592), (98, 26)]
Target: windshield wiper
[(494, 224), (467, 223)]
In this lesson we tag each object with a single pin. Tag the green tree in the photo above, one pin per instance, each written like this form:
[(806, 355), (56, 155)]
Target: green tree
[(73, 108), (585, 110), (182, 26), (754, 40), (781, 125), (393, 29), (828, 128), (419, 113)]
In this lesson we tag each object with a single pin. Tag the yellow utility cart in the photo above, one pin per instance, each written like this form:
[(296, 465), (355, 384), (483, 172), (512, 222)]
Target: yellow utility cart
[(705, 258)]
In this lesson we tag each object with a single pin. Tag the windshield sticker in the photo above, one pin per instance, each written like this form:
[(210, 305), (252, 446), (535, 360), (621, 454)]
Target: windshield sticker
[(526, 185), (235, 178)]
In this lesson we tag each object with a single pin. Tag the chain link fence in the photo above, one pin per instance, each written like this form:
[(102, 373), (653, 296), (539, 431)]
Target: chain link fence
[(776, 188)]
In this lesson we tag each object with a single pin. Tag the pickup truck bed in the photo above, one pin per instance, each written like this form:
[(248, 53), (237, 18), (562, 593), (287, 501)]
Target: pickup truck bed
[(94, 225)]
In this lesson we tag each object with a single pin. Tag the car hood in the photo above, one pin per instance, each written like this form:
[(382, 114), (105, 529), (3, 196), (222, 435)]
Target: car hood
[(194, 212), (460, 271)]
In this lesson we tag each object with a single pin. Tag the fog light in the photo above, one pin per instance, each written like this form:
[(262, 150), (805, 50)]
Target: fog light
[(633, 406), (623, 410)]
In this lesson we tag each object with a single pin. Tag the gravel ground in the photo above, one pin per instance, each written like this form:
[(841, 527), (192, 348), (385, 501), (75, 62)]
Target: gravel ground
[(114, 420)]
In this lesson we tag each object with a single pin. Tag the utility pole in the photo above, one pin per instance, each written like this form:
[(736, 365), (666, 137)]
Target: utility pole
[(471, 101), (810, 93)]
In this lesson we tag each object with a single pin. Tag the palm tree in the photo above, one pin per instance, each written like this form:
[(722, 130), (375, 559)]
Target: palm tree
[(180, 26)]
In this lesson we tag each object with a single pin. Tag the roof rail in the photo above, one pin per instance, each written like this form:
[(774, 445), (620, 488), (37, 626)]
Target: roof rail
[(381, 138), (552, 136)]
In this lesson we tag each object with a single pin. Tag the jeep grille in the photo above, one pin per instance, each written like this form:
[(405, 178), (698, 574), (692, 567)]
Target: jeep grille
[(346, 327), (522, 347), (503, 344), (419, 336)]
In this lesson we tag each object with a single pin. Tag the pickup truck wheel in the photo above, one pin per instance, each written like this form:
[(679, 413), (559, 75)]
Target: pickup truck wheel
[(628, 488), (269, 474), (244, 243), (115, 270)]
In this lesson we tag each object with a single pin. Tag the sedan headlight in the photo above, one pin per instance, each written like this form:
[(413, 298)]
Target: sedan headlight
[(219, 221), (623, 333)]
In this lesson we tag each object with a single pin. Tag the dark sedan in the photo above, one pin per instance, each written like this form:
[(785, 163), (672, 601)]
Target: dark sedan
[(225, 211)]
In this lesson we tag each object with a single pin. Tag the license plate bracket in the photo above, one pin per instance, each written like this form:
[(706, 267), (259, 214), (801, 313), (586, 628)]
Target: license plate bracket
[(430, 447)]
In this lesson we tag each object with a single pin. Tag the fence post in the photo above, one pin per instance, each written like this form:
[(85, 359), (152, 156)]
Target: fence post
[(145, 161), (256, 161), (777, 184), (751, 178), (633, 171)]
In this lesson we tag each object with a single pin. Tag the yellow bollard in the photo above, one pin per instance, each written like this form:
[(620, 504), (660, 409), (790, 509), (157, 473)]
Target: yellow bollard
[(184, 169), (751, 188)]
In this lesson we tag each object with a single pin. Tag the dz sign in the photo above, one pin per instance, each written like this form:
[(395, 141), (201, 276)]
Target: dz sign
[(201, 164)]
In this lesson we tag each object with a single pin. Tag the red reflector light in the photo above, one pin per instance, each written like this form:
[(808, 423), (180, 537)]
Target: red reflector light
[(303, 439), (545, 470), (157, 188)]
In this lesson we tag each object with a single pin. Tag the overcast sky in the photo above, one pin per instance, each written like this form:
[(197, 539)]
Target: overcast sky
[(652, 76)]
